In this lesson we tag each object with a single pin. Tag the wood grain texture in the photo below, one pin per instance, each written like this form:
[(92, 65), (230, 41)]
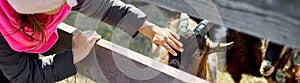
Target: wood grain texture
[(276, 20), (109, 62)]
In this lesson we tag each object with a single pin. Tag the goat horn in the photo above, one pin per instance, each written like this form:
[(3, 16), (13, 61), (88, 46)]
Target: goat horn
[(219, 47)]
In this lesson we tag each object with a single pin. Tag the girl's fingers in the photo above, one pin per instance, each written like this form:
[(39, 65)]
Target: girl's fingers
[(178, 43), (169, 49), (77, 34), (89, 34), (172, 44), (154, 48), (174, 35), (97, 37)]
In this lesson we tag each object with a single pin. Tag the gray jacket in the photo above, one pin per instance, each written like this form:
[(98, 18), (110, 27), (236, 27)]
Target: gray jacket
[(114, 12), (18, 67)]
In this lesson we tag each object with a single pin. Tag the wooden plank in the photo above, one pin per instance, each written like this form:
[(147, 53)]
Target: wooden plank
[(276, 20), (114, 63)]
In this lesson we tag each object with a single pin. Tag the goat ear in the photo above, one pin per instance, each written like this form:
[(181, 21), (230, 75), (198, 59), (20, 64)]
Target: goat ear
[(220, 47)]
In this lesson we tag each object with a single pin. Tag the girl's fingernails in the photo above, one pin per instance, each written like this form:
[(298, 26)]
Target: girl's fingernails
[(181, 45), (181, 50), (175, 54), (98, 36)]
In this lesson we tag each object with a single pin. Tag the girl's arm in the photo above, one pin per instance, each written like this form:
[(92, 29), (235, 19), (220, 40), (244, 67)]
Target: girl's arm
[(114, 12), (129, 19), (18, 68)]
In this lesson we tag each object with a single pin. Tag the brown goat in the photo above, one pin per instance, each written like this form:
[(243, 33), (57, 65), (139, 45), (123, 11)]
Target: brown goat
[(248, 55), (245, 56)]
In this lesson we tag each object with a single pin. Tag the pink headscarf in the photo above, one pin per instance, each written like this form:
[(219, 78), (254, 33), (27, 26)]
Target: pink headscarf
[(9, 23)]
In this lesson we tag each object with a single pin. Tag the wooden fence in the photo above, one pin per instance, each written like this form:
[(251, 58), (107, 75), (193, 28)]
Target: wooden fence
[(276, 20), (109, 62)]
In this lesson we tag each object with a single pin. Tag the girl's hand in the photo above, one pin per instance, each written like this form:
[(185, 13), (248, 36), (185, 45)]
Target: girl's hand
[(83, 43), (162, 37)]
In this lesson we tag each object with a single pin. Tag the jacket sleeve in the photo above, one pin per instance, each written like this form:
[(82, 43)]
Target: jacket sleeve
[(114, 12), (18, 68)]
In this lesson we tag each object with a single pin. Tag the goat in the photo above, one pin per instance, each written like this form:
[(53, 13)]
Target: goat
[(200, 60), (254, 56), (250, 55)]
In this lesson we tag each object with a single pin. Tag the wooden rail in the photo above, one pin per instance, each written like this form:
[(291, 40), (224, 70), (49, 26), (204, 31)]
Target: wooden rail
[(109, 62)]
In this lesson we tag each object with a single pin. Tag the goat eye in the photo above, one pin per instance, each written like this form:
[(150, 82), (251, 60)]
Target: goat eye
[(168, 25)]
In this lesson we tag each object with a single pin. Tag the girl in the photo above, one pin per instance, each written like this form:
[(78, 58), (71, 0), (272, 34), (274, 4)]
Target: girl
[(29, 27)]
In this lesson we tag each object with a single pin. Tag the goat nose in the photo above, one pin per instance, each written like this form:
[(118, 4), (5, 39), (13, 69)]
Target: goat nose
[(268, 65), (175, 63), (267, 68)]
